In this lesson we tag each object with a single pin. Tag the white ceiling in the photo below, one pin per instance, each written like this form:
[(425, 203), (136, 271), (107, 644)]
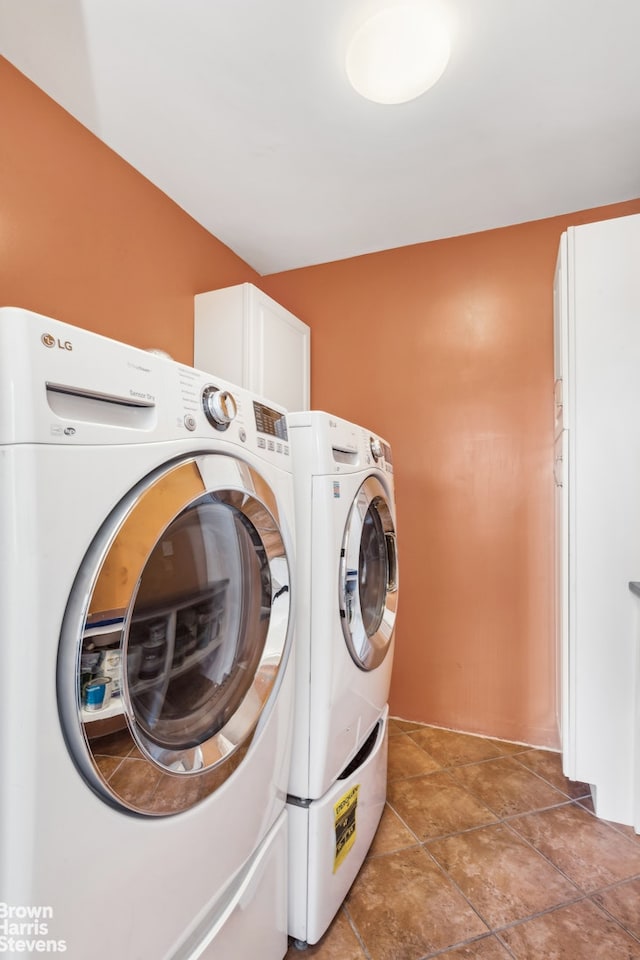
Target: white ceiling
[(240, 111)]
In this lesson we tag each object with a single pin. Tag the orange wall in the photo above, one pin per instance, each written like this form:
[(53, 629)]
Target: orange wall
[(86, 239), (445, 349)]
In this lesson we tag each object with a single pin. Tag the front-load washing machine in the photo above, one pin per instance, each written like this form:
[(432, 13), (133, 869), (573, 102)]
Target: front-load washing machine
[(146, 683), (346, 608)]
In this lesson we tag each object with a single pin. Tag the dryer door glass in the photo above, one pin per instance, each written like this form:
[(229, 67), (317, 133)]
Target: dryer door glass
[(368, 576), (185, 634), (198, 625)]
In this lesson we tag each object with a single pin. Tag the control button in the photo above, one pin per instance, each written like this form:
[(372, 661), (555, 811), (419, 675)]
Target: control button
[(286, 450), (190, 421), (376, 448), (242, 434), (262, 443), (278, 448), (270, 445)]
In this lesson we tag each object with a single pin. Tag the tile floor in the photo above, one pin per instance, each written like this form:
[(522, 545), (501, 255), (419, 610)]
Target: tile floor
[(486, 851)]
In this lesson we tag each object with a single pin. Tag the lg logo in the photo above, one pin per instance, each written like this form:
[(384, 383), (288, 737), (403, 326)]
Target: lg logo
[(51, 342)]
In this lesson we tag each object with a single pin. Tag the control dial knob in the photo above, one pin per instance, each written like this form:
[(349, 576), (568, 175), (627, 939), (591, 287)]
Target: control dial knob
[(219, 406), (376, 448)]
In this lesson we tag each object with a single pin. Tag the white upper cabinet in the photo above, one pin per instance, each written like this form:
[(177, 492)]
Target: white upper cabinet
[(244, 336)]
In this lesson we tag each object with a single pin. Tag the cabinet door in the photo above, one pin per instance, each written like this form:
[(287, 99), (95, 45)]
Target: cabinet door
[(604, 506), (221, 336), (279, 353), (560, 338), (247, 338), (565, 696)]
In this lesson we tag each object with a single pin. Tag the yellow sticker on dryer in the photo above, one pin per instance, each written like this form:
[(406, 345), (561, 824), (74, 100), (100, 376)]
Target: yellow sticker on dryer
[(345, 824)]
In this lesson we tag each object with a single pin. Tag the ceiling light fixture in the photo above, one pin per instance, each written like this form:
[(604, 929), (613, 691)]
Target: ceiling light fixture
[(399, 52)]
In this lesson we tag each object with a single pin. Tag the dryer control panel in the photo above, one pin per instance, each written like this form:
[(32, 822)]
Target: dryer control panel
[(220, 407)]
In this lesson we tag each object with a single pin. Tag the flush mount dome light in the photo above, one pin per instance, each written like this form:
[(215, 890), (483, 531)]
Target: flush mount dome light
[(398, 53)]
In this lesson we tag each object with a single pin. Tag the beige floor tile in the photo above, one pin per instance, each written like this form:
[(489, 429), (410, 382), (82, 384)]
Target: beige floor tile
[(501, 875), (136, 781), (338, 943), (114, 745), (450, 748), (174, 793), (407, 759), (576, 932), (393, 727), (507, 787), (588, 804), (507, 748), (486, 949), (436, 805), (589, 851), (628, 831), (391, 835), (108, 765), (623, 903), (403, 726), (548, 765), (404, 908)]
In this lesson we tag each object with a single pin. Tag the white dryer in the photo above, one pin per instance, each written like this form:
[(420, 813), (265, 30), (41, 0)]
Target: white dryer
[(347, 591), (146, 683)]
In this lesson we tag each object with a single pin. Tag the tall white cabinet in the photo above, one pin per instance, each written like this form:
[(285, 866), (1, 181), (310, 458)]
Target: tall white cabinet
[(597, 474), (246, 337)]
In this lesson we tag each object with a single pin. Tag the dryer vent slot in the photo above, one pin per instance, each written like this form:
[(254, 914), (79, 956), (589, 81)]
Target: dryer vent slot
[(345, 454), (71, 403), (363, 753)]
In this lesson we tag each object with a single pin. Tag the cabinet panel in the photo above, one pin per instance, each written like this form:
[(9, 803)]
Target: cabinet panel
[(246, 337), (599, 355)]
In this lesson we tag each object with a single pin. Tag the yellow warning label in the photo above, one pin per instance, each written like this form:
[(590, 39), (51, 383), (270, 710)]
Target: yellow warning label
[(345, 820)]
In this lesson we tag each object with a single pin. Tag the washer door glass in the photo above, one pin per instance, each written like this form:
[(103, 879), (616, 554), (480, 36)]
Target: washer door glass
[(368, 586), (185, 634)]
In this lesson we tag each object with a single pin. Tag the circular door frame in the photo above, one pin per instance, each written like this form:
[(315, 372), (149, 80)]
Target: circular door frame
[(367, 652), (163, 495)]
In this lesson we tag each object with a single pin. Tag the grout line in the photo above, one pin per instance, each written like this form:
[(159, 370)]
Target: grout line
[(468, 943), (528, 843), (356, 932), (115, 769), (615, 885), (406, 826), (548, 782), (454, 884), (505, 946), (611, 916), (586, 898)]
